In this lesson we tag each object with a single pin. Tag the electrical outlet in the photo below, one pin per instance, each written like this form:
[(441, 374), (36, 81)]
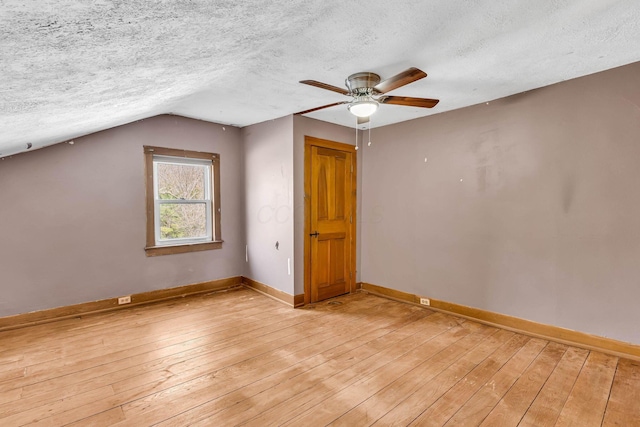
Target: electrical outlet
[(425, 301), (124, 300)]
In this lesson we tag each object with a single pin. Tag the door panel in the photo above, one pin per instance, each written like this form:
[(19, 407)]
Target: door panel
[(340, 184), (323, 258), (331, 217), (322, 201)]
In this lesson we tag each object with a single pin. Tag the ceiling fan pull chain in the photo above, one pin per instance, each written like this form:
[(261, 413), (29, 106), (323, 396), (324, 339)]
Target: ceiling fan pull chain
[(369, 144), (356, 134)]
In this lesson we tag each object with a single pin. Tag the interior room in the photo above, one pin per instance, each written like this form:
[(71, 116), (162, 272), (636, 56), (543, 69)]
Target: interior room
[(199, 225)]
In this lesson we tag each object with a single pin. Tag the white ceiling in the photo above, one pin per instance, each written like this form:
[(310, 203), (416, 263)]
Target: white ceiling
[(72, 67)]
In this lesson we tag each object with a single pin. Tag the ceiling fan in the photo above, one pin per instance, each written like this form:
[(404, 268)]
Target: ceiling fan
[(368, 92)]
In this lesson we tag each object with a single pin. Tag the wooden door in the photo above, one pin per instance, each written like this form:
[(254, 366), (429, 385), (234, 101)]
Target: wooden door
[(331, 221)]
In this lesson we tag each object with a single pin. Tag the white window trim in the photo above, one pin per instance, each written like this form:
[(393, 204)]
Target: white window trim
[(207, 201)]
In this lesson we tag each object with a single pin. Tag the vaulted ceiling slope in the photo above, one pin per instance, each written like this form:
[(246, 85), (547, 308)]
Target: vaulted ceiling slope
[(71, 67)]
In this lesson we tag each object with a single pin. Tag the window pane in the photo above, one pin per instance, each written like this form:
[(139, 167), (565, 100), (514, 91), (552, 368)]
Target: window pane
[(183, 221), (181, 182)]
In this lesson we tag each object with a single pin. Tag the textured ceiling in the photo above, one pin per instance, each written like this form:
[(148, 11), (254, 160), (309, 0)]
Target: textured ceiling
[(72, 67)]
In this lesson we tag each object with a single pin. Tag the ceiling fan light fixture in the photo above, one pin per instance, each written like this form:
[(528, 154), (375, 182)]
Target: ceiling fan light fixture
[(363, 108)]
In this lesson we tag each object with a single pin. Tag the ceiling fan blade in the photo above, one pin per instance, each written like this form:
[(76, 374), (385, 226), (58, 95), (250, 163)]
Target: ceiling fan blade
[(409, 101), (363, 120), (399, 80), (320, 108), (325, 86)]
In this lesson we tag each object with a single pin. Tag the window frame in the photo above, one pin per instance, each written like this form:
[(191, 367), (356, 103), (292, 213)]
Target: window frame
[(206, 165), (215, 242)]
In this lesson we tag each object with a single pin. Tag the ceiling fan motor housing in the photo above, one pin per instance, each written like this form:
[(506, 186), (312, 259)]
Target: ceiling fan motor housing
[(362, 83)]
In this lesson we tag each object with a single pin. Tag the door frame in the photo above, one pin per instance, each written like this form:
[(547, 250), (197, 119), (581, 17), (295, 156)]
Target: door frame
[(310, 141)]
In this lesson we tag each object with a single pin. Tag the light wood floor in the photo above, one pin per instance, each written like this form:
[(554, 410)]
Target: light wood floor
[(239, 358)]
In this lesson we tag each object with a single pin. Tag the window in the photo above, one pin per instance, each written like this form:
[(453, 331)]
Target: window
[(183, 201)]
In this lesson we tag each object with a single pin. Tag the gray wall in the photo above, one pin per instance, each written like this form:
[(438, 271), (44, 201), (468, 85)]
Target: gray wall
[(72, 225), (268, 190), (303, 126), (528, 206), (274, 196)]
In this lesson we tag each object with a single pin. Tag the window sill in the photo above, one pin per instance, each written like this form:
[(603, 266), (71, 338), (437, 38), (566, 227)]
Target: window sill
[(181, 249)]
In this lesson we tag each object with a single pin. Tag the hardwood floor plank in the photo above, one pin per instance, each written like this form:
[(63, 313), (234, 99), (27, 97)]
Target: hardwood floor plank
[(342, 399), (476, 409), (447, 405), (512, 407), (140, 327), (12, 374), (161, 331), (190, 400), (623, 408), (61, 405), (250, 398), (186, 372), (106, 418), (9, 363), (145, 313), (107, 352), (198, 377), (403, 385), (186, 360), (60, 377), (105, 337), (240, 358), (309, 391), (379, 408), (588, 399), (12, 395), (106, 373), (546, 407), (105, 404), (100, 342)]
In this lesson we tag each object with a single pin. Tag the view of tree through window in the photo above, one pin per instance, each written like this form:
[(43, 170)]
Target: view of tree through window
[(187, 217)]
